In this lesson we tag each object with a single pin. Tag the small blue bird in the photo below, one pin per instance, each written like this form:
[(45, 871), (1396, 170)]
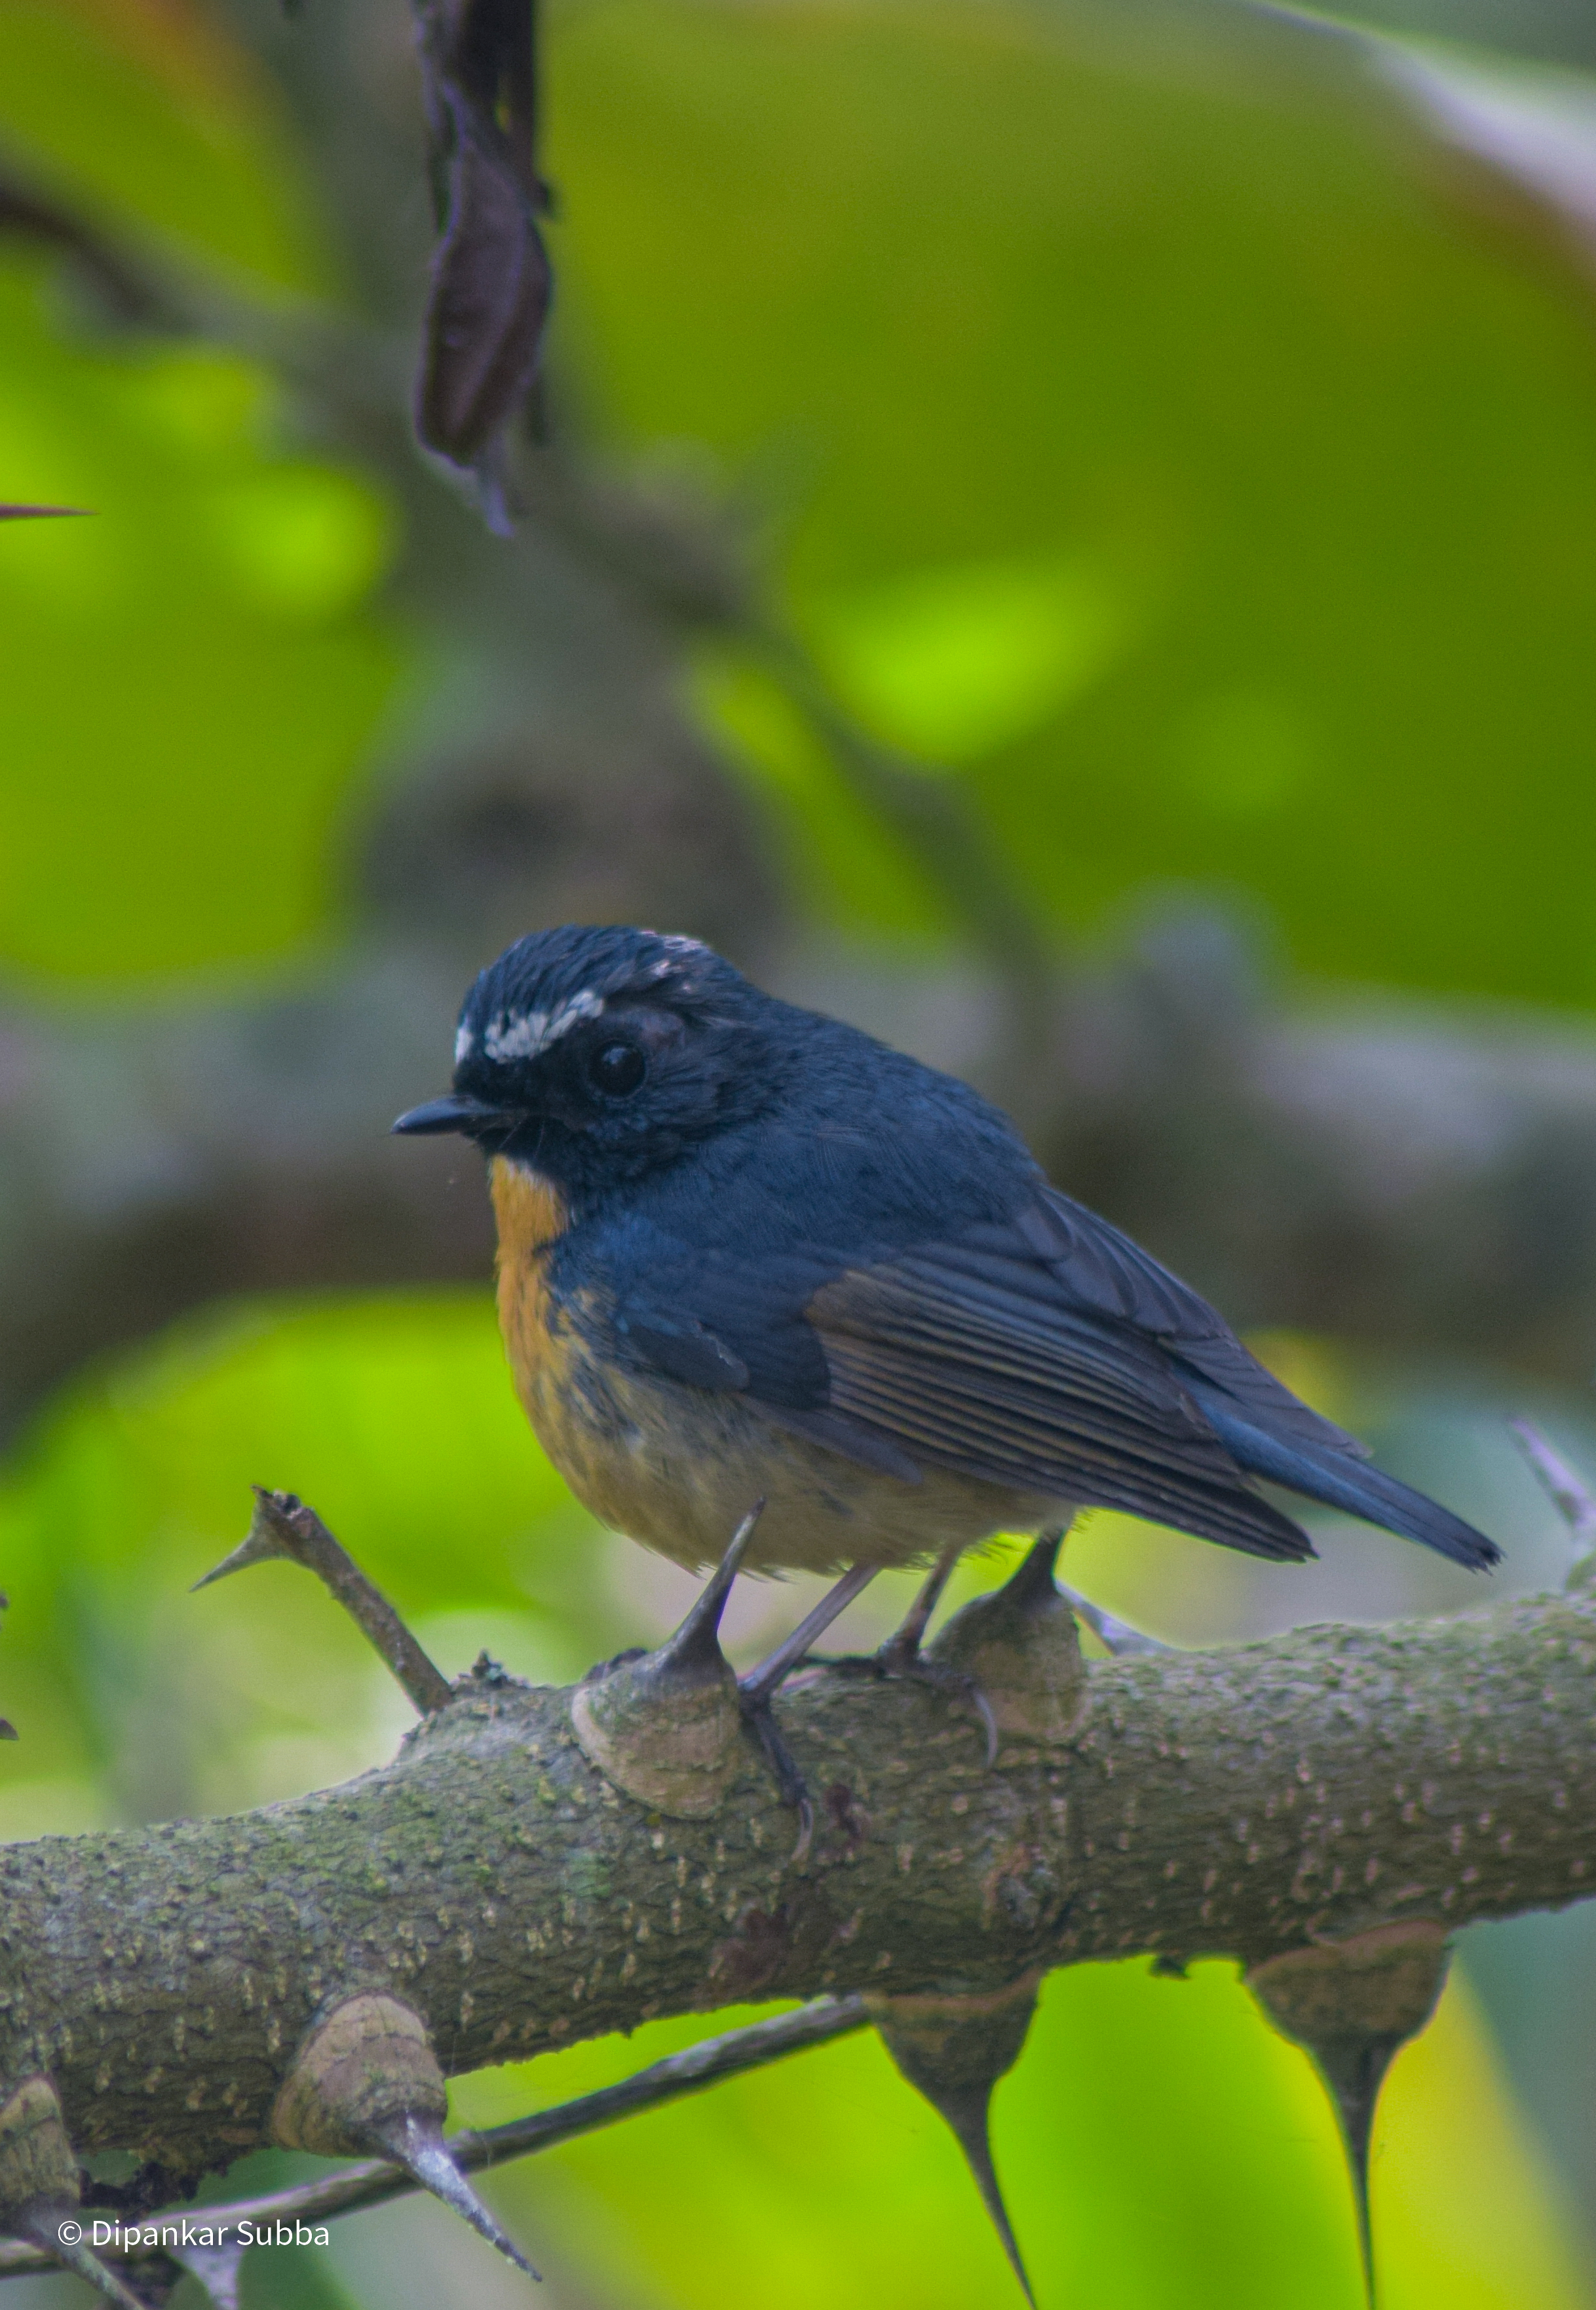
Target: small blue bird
[(746, 1252)]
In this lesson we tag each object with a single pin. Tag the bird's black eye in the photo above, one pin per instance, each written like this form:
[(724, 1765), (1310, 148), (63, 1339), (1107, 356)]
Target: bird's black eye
[(617, 1068)]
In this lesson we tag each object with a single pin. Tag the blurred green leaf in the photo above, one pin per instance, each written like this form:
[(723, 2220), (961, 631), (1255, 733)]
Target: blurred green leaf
[(846, 868), (145, 113), (191, 679), (395, 1415), (191, 687), (396, 1418), (951, 664), (1186, 299)]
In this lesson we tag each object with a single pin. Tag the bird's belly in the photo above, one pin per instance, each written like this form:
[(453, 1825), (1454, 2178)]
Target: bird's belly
[(678, 1468)]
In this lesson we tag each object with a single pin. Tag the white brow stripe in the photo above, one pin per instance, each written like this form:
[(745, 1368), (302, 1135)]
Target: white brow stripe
[(525, 1035), (463, 1041)]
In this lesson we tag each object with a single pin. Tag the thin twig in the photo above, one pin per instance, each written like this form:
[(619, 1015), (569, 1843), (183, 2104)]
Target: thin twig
[(374, 2181), (930, 815), (284, 1526)]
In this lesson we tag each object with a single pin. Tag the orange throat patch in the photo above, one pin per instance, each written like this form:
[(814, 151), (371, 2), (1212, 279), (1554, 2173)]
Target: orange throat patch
[(528, 1209), (530, 1216)]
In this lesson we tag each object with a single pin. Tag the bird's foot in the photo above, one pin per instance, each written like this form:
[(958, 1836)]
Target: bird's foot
[(756, 1692), (760, 1716), (901, 1657), (898, 1661)]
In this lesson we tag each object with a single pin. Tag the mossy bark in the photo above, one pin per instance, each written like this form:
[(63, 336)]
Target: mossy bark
[(1241, 1802)]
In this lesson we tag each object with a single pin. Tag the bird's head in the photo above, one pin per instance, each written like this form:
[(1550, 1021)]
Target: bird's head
[(595, 1055)]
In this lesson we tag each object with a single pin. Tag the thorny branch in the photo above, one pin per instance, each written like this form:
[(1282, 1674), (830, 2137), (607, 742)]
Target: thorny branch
[(373, 2181), (1325, 1807)]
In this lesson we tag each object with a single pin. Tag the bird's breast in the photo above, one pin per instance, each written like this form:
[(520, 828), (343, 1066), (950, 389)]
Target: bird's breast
[(530, 1216), (529, 1210), (678, 1467)]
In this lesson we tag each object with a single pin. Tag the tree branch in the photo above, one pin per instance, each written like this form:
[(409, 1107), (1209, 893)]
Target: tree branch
[(1411, 1179), (373, 2181), (1245, 1803)]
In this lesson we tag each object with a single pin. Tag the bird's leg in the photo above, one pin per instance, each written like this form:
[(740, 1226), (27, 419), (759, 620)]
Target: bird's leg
[(759, 1685), (901, 1655), (757, 1690), (903, 1645)]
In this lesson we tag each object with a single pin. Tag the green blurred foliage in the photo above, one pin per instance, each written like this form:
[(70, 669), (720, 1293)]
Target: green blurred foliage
[(1179, 301), (1148, 434), (191, 680), (151, 118), (1150, 379), (192, 677)]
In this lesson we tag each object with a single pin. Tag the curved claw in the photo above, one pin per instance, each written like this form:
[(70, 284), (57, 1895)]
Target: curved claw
[(790, 1784), (956, 1683)]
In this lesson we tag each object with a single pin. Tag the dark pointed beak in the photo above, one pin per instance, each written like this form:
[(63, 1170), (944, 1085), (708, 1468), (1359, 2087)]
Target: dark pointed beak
[(455, 1113)]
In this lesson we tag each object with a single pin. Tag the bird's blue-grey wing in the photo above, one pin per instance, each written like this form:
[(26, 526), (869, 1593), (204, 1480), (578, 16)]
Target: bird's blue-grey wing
[(976, 1363), (1089, 1303), (956, 1356), (1048, 1354)]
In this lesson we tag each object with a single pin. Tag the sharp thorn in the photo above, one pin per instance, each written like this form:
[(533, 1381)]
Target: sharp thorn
[(42, 513), (806, 1831), (953, 2051), (698, 1639), (1572, 1497), (1118, 1636), (1350, 2005), (42, 2226), (259, 1545), (966, 2116), (216, 2269), (1354, 2075), (417, 2144), (1032, 1580), (283, 1527)]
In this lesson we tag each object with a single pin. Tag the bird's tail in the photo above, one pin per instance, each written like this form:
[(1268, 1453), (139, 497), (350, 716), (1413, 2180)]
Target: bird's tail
[(1353, 1485)]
